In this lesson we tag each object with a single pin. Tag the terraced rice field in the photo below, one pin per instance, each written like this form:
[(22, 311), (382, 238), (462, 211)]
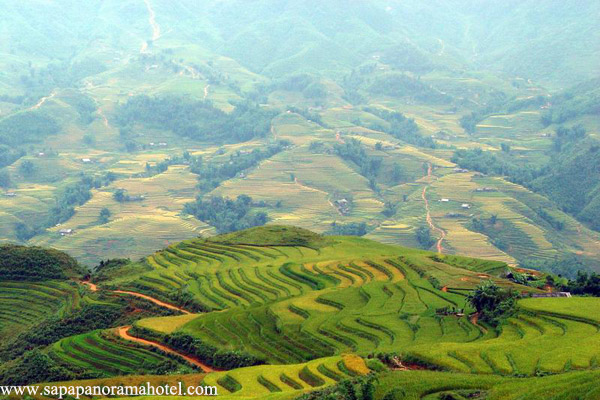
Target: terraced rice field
[(289, 311), (25, 304), (538, 340), (102, 353), (285, 381), (415, 385), (525, 234)]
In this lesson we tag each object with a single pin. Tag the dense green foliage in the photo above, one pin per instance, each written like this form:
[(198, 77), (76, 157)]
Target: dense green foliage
[(423, 236), (401, 127), (369, 166), (584, 284), (91, 317), (581, 99), (570, 179), (211, 174), (36, 263), (34, 366), (9, 155), (225, 214), (75, 194), (274, 235), (492, 302), (402, 85), (198, 120), (27, 127), (348, 229)]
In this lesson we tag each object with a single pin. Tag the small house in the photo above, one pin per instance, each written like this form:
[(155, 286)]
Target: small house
[(444, 200), (86, 160), (465, 206), (10, 194), (64, 232)]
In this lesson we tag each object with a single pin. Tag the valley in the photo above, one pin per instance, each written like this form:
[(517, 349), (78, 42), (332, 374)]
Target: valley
[(302, 200)]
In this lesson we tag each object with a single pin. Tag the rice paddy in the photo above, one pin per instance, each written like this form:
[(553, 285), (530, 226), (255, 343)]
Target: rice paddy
[(25, 304)]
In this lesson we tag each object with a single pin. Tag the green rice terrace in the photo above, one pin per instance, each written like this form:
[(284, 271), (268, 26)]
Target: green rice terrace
[(281, 312)]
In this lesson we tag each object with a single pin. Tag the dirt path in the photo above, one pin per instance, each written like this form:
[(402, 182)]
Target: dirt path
[(155, 27), (124, 333), (94, 288), (312, 189), (104, 119), (153, 300), (474, 318), (442, 233), (43, 100), (442, 47)]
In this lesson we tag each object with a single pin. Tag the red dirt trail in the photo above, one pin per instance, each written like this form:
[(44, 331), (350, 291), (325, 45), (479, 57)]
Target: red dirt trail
[(124, 333), (94, 288), (474, 318), (442, 233)]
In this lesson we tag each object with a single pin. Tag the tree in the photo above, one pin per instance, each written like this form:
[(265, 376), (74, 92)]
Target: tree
[(5, 181), (389, 209), (89, 139), (120, 195), (492, 302), (397, 173), (23, 232), (378, 146), (104, 215), (349, 229), (424, 238), (505, 147), (27, 168), (368, 390)]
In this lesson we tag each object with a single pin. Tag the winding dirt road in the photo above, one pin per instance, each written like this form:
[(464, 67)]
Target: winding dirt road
[(474, 318), (123, 332), (442, 233), (94, 288), (153, 300), (43, 100), (155, 27)]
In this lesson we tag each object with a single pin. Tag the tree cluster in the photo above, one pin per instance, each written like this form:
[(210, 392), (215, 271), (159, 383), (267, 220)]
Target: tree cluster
[(225, 214), (198, 120), (348, 229), (401, 127), (352, 150), (211, 174), (25, 263), (493, 303)]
